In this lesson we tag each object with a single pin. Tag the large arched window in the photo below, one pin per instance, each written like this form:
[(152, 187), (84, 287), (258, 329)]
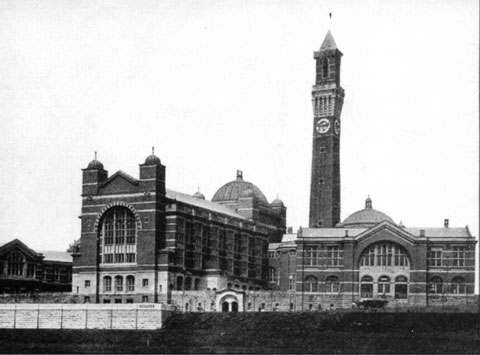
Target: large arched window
[(118, 232), (16, 264), (436, 285), (458, 285), (311, 284), (384, 254), (332, 285), (107, 284)]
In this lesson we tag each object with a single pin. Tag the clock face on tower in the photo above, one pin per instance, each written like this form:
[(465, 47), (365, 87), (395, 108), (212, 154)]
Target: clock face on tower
[(322, 126), (336, 126)]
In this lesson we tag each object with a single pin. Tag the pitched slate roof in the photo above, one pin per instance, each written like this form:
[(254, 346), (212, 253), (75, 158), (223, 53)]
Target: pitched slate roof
[(54, 255), (212, 206), (330, 232), (441, 232)]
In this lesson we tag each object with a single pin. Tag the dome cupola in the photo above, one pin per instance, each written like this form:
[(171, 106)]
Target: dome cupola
[(95, 164), (199, 195), (366, 218), (233, 190), (152, 159)]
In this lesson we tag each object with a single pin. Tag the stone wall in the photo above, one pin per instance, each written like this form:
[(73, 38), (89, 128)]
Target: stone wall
[(35, 297), (84, 316)]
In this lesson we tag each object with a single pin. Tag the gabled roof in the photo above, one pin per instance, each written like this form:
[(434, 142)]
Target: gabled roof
[(20, 245), (208, 205), (123, 174), (386, 225)]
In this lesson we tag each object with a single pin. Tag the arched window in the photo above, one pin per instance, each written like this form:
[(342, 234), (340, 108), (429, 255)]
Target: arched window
[(118, 283), (118, 231), (436, 285), (366, 287), (325, 70), (179, 283), (16, 262), (130, 283), (107, 284), (311, 284), (384, 254), (332, 285), (458, 285), (383, 285), (197, 284)]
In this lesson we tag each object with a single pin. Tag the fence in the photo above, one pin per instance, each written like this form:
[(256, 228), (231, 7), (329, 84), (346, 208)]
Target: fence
[(84, 316)]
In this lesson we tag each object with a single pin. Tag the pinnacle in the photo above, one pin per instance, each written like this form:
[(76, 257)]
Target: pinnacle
[(328, 42)]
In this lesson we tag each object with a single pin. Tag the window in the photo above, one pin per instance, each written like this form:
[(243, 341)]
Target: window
[(366, 287), (436, 285), (459, 256), (145, 282), (334, 256), (178, 257), (118, 300), (118, 232), (332, 285), (118, 283), (435, 257), (325, 71), (384, 254), (271, 255), (311, 256), (179, 283), (106, 300), (272, 274), (311, 284), (87, 283), (30, 270), (16, 262), (383, 285), (401, 287), (144, 299), (292, 282), (86, 299), (107, 284), (188, 284), (458, 285), (130, 283)]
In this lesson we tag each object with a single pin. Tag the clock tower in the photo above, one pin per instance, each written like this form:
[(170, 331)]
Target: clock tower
[(327, 100)]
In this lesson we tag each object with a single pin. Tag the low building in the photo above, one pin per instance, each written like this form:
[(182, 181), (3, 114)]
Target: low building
[(24, 270)]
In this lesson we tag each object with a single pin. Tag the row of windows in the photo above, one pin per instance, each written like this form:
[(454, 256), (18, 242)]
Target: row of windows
[(16, 265), (215, 237), (457, 257), (329, 256), (437, 286), (384, 254), (276, 254)]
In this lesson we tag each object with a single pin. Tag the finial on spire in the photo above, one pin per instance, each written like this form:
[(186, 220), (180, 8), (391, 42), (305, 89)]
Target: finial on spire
[(330, 14), (153, 150), (368, 202), (95, 155)]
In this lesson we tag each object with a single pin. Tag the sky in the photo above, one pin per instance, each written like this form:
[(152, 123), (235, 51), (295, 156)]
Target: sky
[(217, 86)]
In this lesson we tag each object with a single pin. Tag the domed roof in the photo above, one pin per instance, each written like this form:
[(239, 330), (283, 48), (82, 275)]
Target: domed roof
[(238, 188), (152, 159), (365, 218), (199, 195), (277, 203), (95, 165)]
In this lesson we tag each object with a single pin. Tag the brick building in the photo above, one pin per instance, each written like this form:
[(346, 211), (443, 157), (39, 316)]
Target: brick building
[(23, 270), (140, 242)]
